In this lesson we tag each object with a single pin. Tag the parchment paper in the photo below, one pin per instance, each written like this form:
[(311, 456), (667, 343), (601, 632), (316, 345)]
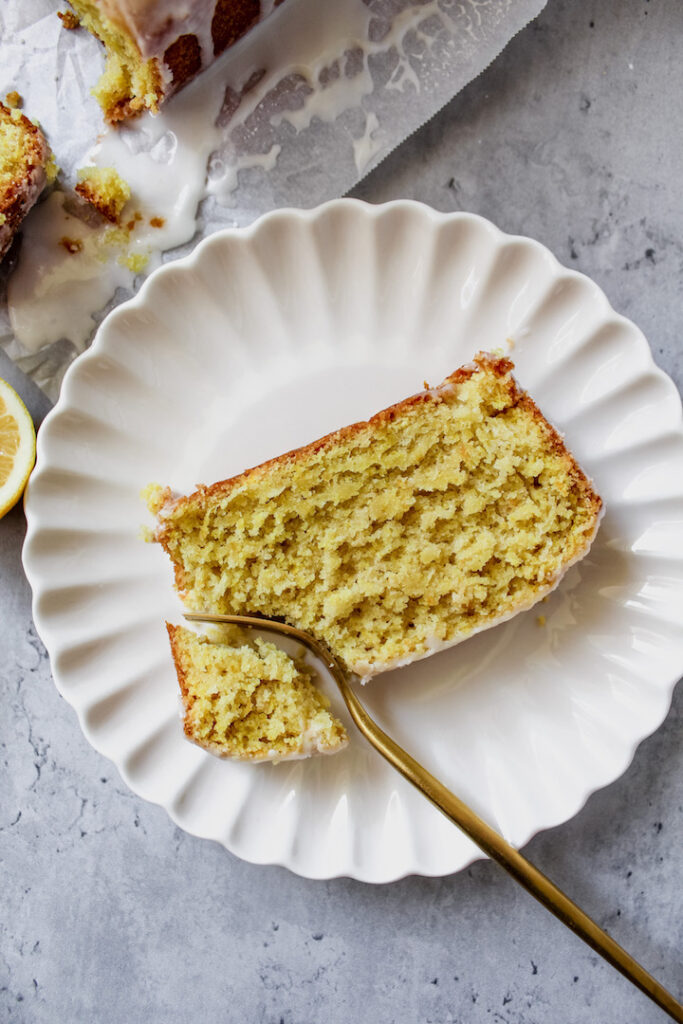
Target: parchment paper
[(292, 131)]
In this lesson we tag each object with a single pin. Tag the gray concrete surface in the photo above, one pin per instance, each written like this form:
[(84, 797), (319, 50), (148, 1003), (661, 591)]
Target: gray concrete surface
[(108, 913)]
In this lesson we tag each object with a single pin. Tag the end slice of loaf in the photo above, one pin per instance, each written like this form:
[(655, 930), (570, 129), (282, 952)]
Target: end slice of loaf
[(396, 538), (24, 160), (246, 699)]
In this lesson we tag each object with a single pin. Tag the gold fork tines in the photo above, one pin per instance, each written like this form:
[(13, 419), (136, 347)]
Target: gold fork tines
[(485, 837)]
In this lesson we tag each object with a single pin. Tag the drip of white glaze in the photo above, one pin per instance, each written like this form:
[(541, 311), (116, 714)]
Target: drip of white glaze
[(164, 158), (368, 145), (53, 292)]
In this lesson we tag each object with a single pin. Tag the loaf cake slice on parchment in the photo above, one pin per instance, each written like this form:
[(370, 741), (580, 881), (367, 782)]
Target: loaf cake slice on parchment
[(396, 538)]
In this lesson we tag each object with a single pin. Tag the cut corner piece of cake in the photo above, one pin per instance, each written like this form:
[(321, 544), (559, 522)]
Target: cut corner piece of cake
[(105, 190), (244, 698), (396, 538), (26, 167), (154, 47)]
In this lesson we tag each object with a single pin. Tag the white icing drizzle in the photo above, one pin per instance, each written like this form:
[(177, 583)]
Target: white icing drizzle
[(367, 670), (328, 50), (309, 746)]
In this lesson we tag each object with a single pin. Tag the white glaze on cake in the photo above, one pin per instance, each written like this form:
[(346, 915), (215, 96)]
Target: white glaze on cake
[(309, 746), (157, 24)]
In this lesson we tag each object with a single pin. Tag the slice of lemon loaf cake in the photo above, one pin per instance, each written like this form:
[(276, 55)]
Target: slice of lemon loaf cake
[(246, 699), (392, 539), (25, 163)]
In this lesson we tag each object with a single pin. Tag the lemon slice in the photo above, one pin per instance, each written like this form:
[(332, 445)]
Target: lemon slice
[(17, 447)]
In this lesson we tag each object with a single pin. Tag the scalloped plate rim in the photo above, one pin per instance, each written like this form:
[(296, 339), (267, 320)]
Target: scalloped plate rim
[(190, 262)]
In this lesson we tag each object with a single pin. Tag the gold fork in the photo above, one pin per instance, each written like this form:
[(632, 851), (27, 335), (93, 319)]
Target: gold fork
[(485, 837)]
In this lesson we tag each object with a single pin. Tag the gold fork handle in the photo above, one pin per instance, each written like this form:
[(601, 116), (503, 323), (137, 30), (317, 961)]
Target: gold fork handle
[(493, 844), (485, 837)]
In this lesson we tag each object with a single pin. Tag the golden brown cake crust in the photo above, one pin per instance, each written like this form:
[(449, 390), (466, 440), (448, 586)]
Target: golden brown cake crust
[(512, 590), (105, 190), (21, 191), (69, 19), (499, 365), (231, 20), (104, 208)]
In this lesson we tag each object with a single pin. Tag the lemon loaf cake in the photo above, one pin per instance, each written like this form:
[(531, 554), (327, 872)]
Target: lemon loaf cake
[(25, 162), (245, 698), (392, 539), (153, 47)]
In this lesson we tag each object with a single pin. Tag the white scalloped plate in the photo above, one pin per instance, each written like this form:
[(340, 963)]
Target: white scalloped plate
[(264, 339)]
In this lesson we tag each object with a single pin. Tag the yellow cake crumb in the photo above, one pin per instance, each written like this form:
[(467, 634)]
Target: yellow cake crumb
[(394, 538), (129, 84), (14, 99), (245, 698), (134, 261), (540, 619), (105, 189)]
